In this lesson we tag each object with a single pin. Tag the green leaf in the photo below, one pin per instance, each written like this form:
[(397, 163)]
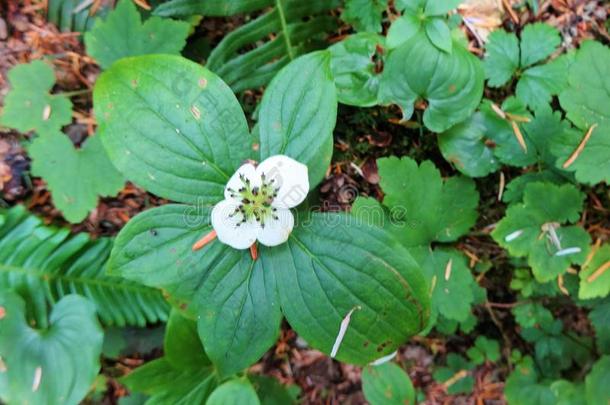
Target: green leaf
[(600, 318), (354, 69), (597, 390), (298, 114), (586, 104), (165, 384), (451, 83), (333, 264), (271, 392), (538, 42), (538, 84), (45, 263), (51, 366), (595, 277), (513, 193), (235, 298), (182, 346), (272, 40), (424, 205), (75, 177), (29, 106), (524, 231), (464, 145), (234, 392), (121, 34), (507, 148), (522, 387), (532, 314), (402, 29), (439, 34), (456, 364), (171, 126), (441, 7), (387, 384), (451, 284), (501, 57), (484, 350), (364, 15), (217, 8)]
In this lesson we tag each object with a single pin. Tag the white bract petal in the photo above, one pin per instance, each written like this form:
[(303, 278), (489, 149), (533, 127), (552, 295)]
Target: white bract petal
[(258, 201), (228, 222), (289, 176), (277, 230), (247, 171)]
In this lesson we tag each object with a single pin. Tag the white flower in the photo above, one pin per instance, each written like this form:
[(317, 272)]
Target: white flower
[(257, 203)]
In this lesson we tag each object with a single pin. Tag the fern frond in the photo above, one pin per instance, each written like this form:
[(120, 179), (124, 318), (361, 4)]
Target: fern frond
[(45, 263)]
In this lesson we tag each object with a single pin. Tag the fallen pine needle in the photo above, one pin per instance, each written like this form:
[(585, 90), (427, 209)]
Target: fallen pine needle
[(37, 379), (580, 147), (448, 269), (501, 186), (384, 359), (455, 378), (519, 136), (561, 286), (204, 241), (342, 330), (597, 273)]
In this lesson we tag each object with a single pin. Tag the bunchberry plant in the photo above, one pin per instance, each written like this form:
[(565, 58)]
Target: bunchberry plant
[(176, 129)]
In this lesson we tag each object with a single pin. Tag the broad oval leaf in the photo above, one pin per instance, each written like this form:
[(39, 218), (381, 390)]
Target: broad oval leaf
[(234, 392), (387, 384), (333, 264), (52, 366), (298, 114), (354, 69), (171, 126), (182, 346), (235, 298), (465, 146), (451, 83)]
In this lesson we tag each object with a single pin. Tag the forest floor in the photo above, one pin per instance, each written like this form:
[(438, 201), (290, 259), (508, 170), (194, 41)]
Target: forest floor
[(361, 136)]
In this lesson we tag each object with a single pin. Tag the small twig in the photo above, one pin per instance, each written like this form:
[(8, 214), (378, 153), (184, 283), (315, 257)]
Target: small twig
[(598, 273)]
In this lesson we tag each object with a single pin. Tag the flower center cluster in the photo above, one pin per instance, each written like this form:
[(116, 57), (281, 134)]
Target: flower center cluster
[(255, 201)]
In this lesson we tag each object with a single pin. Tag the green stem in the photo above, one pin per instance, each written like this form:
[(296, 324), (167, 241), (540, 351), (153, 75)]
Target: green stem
[(280, 10)]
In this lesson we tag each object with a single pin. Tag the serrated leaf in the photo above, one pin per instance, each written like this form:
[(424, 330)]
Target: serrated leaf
[(524, 231), (513, 193), (46, 263), (387, 384), (522, 387), (121, 34), (597, 390), (171, 126), (364, 15), (456, 364), (538, 42), (298, 114), (501, 57), (484, 349), (451, 83), (586, 103), (533, 314), (464, 145), (234, 392), (52, 366), (75, 177), (439, 34), (600, 318), (451, 284), (309, 259), (595, 276), (423, 204), (354, 69), (165, 384), (29, 106), (538, 84)]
